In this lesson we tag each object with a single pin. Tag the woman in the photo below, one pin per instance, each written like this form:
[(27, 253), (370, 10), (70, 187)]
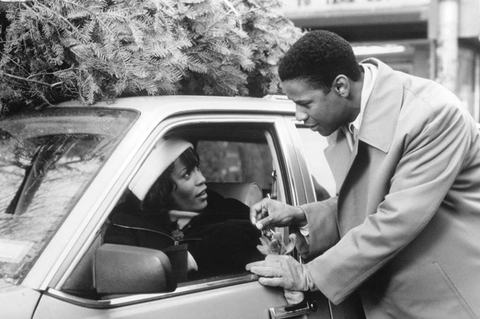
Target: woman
[(172, 209)]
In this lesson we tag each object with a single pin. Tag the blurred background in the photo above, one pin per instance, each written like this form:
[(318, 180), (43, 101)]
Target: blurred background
[(53, 50), (436, 39)]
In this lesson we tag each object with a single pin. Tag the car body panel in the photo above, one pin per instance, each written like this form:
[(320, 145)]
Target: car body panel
[(243, 298), (215, 303), (107, 180), (17, 302)]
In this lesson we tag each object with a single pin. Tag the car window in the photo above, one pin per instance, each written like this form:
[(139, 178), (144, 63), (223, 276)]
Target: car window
[(314, 145), (46, 161), (233, 156), (231, 161)]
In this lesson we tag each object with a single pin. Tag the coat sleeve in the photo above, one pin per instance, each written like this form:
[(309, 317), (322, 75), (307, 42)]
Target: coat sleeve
[(322, 226), (431, 153)]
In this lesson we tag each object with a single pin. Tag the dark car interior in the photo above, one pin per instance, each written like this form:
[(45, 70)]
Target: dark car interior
[(237, 162)]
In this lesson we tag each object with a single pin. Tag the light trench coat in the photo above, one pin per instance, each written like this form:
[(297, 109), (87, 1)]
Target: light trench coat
[(404, 230)]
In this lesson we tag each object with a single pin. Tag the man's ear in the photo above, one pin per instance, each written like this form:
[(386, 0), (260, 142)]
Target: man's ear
[(341, 85)]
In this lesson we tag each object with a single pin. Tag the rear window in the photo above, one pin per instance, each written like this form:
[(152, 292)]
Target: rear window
[(47, 160), (226, 161)]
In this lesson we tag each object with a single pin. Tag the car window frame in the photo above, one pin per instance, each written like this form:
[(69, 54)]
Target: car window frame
[(282, 143), (304, 159)]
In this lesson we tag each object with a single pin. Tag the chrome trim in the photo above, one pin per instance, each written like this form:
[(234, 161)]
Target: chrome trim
[(307, 182), (288, 161), (125, 300), (289, 311), (56, 279)]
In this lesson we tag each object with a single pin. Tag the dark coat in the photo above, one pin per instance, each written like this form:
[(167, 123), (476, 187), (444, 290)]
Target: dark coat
[(221, 239)]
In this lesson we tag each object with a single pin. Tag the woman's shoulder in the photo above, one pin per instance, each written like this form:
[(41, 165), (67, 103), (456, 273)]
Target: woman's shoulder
[(130, 214), (217, 201), (220, 209)]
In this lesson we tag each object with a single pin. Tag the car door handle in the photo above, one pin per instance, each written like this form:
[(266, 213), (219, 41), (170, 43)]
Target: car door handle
[(303, 308)]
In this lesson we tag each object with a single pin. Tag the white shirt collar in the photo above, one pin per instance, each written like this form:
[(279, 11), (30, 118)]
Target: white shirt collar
[(370, 76), (351, 129), (181, 217)]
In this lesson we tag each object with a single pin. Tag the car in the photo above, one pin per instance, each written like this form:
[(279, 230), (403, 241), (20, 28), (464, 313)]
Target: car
[(63, 169)]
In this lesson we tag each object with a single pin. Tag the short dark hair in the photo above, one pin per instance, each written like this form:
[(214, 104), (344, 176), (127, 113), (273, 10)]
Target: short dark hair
[(319, 57), (158, 197)]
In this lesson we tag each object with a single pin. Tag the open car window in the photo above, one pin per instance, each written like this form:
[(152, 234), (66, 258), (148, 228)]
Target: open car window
[(233, 158), (237, 163)]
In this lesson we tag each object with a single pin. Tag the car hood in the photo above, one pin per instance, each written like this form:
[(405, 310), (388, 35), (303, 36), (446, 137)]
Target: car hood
[(17, 302)]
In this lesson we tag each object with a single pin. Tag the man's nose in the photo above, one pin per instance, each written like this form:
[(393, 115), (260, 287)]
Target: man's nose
[(300, 115)]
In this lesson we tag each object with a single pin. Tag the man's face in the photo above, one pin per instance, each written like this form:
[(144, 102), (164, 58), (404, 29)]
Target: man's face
[(320, 111)]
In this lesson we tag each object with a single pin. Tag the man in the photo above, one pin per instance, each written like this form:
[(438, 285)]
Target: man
[(404, 229)]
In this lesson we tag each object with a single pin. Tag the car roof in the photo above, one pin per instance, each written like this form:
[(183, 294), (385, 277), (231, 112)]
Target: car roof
[(168, 105), (155, 109)]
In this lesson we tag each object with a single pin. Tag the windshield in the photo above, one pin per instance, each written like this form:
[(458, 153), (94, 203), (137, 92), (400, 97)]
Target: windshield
[(47, 159)]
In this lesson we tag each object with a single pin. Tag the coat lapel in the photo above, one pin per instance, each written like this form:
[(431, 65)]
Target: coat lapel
[(378, 123), (382, 109), (339, 157)]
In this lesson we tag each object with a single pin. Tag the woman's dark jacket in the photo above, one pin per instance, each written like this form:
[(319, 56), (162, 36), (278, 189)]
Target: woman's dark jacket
[(221, 239)]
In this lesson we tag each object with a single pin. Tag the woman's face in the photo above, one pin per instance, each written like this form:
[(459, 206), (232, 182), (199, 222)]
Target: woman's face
[(189, 193)]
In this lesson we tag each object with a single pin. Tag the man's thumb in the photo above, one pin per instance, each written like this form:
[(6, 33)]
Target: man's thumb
[(259, 224)]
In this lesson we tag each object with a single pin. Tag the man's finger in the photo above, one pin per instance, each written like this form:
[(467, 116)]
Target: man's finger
[(266, 271), (256, 263), (269, 261), (262, 223), (255, 212), (259, 225), (272, 282)]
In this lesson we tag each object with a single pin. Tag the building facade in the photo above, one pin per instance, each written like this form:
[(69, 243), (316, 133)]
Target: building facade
[(436, 39)]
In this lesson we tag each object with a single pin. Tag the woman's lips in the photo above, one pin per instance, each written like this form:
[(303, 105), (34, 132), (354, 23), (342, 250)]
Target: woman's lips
[(202, 194)]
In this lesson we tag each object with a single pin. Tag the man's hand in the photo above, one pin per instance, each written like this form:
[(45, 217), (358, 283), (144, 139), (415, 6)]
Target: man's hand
[(271, 213), (282, 271)]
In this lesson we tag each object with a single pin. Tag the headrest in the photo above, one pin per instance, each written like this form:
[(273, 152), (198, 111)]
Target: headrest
[(166, 151), (248, 193)]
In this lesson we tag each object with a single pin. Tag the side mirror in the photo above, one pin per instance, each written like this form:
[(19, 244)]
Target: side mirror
[(120, 269)]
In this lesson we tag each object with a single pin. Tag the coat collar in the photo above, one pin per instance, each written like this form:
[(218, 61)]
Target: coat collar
[(378, 123), (383, 108)]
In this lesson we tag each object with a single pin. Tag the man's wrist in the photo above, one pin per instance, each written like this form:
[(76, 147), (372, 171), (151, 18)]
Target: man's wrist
[(300, 217), (308, 279)]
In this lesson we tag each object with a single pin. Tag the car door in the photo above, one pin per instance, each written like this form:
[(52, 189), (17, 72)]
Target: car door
[(236, 296), (319, 184)]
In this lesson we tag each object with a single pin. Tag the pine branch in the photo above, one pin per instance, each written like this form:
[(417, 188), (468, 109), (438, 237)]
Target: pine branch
[(31, 80), (93, 50)]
